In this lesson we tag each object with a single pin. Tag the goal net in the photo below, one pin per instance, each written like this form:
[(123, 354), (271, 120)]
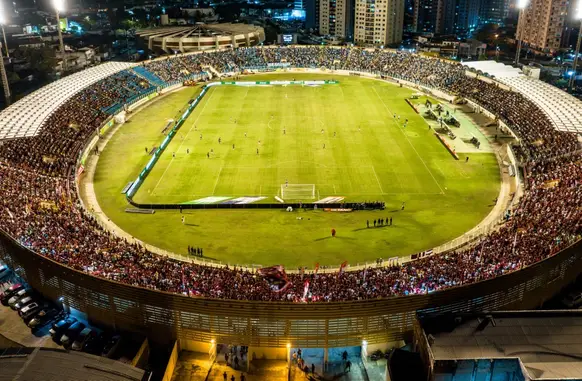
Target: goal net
[(297, 191)]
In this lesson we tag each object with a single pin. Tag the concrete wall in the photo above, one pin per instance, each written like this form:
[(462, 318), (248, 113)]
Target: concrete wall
[(268, 353), (194, 346)]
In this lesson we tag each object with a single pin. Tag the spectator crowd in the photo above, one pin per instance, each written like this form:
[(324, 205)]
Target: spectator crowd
[(40, 209)]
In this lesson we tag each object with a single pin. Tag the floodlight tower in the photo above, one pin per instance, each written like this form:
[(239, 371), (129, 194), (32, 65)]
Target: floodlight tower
[(5, 84), (60, 7), (521, 5), (577, 16)]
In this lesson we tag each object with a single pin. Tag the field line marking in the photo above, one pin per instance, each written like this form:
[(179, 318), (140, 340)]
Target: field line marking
[(216, 182), (409, 142), (180, 146), (163, 174), (377, 179)]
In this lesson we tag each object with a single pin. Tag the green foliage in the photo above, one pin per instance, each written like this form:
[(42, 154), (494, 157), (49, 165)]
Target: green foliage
[(42, 60)]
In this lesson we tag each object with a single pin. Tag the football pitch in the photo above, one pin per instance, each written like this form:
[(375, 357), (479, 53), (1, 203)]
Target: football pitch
[(333, 140)]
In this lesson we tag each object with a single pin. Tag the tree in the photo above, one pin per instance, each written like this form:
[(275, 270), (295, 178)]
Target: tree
[(42, 60)]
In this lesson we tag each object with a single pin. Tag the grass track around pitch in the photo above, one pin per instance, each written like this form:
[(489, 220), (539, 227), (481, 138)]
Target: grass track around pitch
[(372, 157)]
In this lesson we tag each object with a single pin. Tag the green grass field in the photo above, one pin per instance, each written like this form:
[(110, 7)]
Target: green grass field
[(368, 155)]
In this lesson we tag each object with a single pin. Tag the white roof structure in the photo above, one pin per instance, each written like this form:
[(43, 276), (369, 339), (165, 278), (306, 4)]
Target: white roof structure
[(563, 110), (493, 68), (27, 116)]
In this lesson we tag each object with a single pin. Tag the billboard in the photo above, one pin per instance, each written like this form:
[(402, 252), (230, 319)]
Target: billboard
[(63, 23)]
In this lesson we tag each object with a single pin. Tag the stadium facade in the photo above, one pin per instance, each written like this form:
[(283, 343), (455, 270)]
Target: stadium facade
[(200, 37), (164, 316)]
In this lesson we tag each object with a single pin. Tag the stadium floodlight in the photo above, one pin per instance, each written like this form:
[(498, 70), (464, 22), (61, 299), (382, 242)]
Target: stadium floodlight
[(521, 5), (577, 16), (3, 20), (60, 7)]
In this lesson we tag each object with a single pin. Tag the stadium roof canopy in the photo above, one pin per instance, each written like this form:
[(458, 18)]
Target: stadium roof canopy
[(494, 69), (26, 117), (563, 110)]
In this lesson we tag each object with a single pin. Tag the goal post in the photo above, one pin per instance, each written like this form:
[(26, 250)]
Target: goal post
[(298, 191)]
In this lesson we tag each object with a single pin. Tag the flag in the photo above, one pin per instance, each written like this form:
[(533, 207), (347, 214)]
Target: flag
[(316, 267), (364, 276), (276, 277), (342, 267), (305, 289)]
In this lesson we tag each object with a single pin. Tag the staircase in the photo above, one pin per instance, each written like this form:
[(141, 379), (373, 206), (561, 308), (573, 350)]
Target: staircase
[(148, 76), (211, 70)]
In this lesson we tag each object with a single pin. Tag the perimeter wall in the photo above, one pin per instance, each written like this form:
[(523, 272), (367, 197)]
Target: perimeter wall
[(164, 317)]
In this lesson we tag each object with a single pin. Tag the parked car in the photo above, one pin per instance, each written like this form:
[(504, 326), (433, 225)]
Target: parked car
[(30, 311), (20, 294), (7, 294), (23, 302), (573, 299), (43, 317), (94, 345), (71, 333), (59, 327), (82, 338), (111, 346), (4, 271)]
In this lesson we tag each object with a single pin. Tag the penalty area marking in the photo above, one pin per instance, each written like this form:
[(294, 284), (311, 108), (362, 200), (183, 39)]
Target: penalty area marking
[(216, 182), (377, 179)]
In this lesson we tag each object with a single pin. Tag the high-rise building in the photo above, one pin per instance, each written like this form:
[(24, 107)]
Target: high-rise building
[(434, 16), (494, 11), (467, 15), (312, 14), (336, 18), (541, 24), (379, 22)]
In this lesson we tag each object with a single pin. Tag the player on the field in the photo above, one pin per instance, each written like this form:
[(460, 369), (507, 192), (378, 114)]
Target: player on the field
[(219, 140), (284, 132), (200, 136), (286, 183)]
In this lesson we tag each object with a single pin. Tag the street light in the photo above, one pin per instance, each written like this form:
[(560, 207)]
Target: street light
[(577, 16), (521, 5), (2, 23), (5, 83), (60, 7)]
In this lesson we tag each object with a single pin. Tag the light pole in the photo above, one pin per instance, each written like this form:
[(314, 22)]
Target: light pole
[(60, 7), (577, 16), (5, 83), (521, 5)]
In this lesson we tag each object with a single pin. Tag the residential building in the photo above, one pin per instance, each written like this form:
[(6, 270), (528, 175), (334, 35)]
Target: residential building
[(312, 14), (541, 24), (336, 18), (379, 22)]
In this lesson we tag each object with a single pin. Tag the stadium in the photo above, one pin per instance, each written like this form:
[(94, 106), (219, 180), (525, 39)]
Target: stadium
[(236, 196)]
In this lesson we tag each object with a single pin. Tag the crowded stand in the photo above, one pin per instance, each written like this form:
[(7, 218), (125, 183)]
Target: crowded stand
[(41, 211)]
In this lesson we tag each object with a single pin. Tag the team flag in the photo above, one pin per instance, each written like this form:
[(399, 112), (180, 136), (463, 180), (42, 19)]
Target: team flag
[(276, 277), (342, 267)]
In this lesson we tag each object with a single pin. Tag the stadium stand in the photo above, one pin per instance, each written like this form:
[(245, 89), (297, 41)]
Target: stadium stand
[(560, 107), (148, 75), (27, 116), (40, 208)]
